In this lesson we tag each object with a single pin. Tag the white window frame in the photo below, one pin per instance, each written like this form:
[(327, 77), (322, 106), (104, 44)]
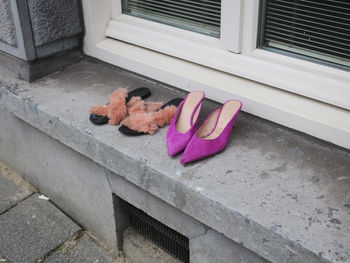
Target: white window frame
[(322, 93), (145, 31)]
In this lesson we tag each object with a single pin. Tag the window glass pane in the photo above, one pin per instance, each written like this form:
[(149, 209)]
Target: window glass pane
[(202, 16), (315, 29)]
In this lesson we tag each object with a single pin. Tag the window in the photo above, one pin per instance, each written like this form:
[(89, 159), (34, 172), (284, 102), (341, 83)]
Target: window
[(312, 29), (202, 16), (158, 24)]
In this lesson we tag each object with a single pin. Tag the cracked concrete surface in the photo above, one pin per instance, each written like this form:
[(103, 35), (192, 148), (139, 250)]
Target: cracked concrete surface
[(12, 188), (8, 29)]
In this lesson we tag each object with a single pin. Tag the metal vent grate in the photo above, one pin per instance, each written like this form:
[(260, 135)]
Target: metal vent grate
[(171, 241), (311, 28), (202, 16)]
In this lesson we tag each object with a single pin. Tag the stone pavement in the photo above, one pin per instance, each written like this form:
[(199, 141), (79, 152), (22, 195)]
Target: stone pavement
[(33, 229)]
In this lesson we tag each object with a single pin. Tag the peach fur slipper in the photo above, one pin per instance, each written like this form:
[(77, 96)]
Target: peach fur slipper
[(150, 118), (116, 106), (135, 115), (116, 109)]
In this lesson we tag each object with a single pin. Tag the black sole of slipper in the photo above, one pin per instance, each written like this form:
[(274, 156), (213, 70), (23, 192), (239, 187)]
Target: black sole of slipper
[(129, 132), (139, 92)]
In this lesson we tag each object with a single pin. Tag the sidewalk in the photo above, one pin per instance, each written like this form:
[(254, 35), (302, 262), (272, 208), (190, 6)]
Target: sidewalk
[(33, 229)]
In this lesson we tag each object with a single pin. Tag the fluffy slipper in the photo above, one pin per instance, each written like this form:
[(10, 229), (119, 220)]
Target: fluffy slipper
[(116, 109), (140, 123), (100, 114), (136, 105)]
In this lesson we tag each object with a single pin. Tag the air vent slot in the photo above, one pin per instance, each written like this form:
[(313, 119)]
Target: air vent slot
[(171, 241)]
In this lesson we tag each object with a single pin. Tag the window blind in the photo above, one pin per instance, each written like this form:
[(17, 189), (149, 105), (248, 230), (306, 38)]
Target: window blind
[(315, 29), (202, 16)]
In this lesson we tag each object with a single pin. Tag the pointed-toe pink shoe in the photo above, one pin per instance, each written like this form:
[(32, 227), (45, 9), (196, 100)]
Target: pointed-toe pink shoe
[(212, 137), (184, 123)]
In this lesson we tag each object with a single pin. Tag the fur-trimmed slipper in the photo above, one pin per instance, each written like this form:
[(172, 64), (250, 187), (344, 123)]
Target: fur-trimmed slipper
[(115, 110), (148, 121)]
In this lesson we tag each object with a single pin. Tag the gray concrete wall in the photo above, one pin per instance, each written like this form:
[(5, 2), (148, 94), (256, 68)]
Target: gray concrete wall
[(206, 245), (32, 30), (56, 25), (215, 247), (16, 37), (8, 30), (75, 183)]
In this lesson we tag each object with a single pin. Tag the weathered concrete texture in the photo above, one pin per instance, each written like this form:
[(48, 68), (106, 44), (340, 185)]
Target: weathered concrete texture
[(13, 188), (158, 209), (214, 247), (275, 192), (13, 66), (24, 49), (7, 24), (24, 70), (32, 30), (82, 250), (75, 183), (39, 226), (54, 19), (3, 259), (140, 250), (57, 47)]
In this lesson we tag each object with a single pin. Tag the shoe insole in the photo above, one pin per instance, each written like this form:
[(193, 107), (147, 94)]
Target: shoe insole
[(139, 92), (228, 111), (174, 102), (184, 121)]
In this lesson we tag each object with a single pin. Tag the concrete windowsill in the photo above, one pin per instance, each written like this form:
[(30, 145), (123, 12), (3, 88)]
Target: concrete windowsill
[(276, 192)]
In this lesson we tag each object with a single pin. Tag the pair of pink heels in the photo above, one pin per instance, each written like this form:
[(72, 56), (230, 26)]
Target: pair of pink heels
[(210, 138)]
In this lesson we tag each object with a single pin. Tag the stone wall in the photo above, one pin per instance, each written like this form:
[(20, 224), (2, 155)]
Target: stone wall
[(33, 30), (56, 24), (7, 30)]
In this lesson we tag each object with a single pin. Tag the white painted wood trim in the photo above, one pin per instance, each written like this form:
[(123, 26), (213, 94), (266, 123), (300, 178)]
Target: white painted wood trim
[(250, 21), (96, 22), (116, 8), (258, 65), (231, 17), (142, 26)]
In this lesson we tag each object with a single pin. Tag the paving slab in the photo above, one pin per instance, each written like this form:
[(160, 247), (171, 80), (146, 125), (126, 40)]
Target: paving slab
[(3, 259), (13, 188), (32, 229), (83, 250), (277, 192)]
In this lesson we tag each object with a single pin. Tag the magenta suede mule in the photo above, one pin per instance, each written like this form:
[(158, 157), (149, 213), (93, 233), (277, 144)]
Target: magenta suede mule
[(212, 137), (184, 123)]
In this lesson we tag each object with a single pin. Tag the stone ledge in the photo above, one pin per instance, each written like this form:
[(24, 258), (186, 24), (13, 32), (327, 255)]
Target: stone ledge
[(277, 193)]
